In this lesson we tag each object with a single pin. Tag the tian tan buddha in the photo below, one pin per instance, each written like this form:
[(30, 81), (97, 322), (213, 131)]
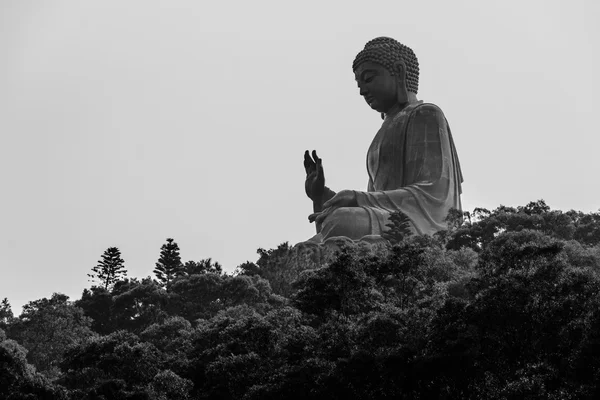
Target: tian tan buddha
[(412, 162)]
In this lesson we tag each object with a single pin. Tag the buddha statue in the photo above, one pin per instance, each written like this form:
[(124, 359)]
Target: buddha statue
[(412, 162)]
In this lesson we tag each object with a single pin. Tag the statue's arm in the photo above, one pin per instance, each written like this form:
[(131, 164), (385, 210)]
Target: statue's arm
[(370, 187)]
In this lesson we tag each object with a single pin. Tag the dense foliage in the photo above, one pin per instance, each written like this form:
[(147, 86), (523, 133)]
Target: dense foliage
[(503, 305)]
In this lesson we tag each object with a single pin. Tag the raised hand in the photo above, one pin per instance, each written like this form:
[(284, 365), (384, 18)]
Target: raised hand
[(315, 178)]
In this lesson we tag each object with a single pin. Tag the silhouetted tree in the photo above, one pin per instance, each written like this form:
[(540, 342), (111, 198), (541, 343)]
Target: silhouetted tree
[(138, 304), (97, 303), (247, 268), (398, 228), (110, 269), (486, 225), (273, 265), (343, 286), (6, 314), (46, 328), (502, 305), (114, 366), (18, 379), (169, 265), (202, 267)]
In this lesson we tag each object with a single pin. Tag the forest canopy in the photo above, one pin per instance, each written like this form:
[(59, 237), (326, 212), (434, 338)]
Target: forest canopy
[(504, 304)]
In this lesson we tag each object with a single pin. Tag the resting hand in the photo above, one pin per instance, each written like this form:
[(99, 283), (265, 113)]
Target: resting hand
[(345, 198)]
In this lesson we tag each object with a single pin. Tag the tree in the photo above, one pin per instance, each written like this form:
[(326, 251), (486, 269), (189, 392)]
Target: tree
[(233, 351), (398, 227), (46, 328), (203, 267), (169, 265), (341, 287), (277, 266), (138, 304), (115, 366), (18, 379), (97, 303), (167, 385), (6, 314), (110, 269), (203, 295), (172, 337)]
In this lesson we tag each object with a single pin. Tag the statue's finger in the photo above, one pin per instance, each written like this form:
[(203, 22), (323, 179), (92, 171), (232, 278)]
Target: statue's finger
[(319, 167), (316, 157), (321, 217), (309, 164), (312, 217), (307, 159)]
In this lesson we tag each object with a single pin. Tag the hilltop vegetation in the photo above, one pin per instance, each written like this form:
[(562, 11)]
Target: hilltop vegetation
[(505, 304)]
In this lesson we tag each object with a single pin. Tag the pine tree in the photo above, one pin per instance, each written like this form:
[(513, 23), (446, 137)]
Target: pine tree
[(398, 227), (6, 314), (169, 265), (110, 269)]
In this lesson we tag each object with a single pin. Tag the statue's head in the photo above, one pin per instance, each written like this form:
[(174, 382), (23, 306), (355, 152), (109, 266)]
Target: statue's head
[(386, 72)]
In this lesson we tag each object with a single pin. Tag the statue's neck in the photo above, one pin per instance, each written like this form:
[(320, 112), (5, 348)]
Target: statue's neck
[(412, 98)]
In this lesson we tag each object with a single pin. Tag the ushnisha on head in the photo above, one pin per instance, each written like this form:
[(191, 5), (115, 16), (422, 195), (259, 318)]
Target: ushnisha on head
[(387, 73)]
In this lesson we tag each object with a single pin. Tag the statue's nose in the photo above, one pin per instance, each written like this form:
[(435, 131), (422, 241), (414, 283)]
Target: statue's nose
[(362, 91)]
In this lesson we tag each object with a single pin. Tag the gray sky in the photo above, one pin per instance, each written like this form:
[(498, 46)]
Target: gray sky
[(123, 123)]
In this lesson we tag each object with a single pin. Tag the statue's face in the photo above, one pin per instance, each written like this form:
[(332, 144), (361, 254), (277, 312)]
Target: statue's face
[(377, 86)]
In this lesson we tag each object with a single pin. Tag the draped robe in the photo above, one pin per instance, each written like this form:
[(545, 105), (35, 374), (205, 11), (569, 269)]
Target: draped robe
[(413, 167)]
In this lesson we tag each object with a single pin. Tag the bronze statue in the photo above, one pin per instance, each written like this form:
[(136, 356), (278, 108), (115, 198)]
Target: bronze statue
[(412, 162)]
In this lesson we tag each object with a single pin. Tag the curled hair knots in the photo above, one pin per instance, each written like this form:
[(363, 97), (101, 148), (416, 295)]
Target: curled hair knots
[(387, 52)]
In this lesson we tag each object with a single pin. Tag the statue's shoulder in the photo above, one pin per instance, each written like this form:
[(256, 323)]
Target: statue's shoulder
[(427, 108), (428, 111), (418, 113)]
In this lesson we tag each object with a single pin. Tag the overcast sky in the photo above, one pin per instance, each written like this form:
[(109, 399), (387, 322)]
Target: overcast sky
[(124, 123)]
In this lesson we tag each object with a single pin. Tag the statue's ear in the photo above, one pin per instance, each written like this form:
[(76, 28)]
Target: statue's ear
[(400, 73), (400, 68)]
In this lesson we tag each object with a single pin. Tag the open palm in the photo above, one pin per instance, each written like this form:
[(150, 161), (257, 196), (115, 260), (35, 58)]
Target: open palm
[(315, 178)]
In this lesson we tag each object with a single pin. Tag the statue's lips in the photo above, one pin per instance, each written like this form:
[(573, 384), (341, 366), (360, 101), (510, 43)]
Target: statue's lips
[(369, 99)]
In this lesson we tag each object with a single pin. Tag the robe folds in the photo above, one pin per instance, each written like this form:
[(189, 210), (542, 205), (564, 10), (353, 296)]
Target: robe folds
[(413, 167)]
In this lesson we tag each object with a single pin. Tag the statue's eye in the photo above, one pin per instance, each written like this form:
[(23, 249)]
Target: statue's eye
[(369, 78)]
